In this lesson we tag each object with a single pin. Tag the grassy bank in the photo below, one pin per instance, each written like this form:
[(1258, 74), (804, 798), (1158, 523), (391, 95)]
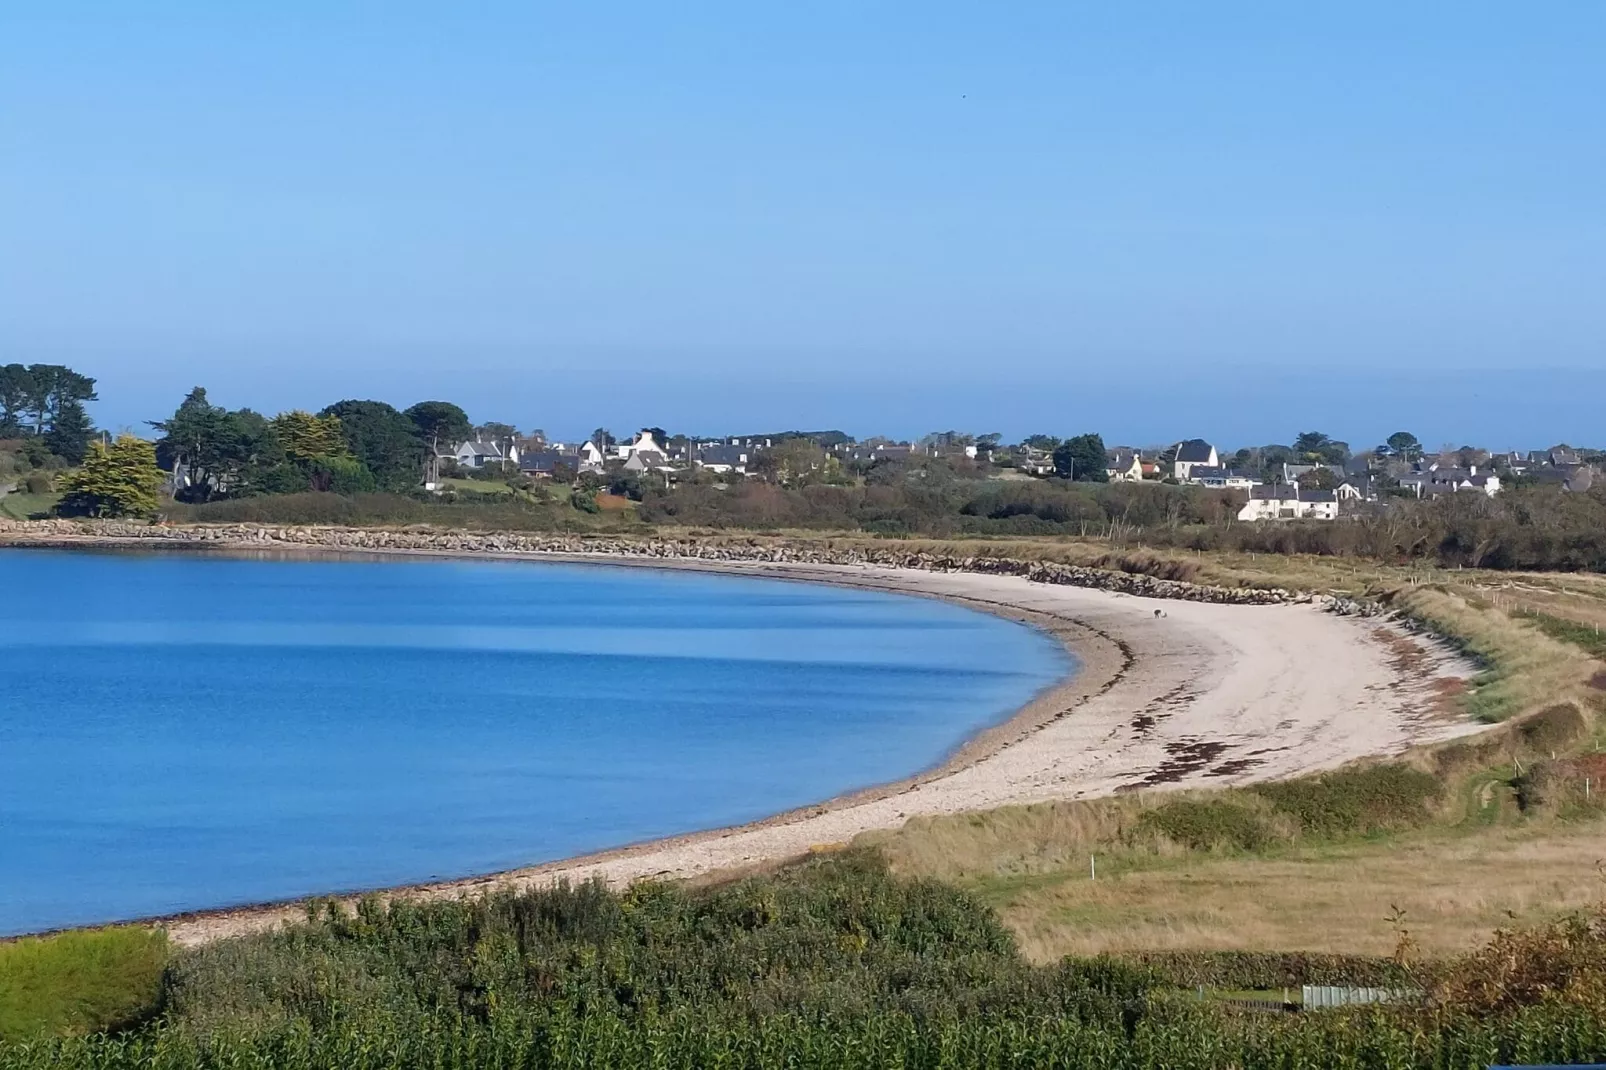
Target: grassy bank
[(831, 963), (1462, 837), (79, 982)]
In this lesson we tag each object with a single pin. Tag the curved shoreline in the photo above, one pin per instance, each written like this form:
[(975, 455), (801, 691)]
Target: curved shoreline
[(1118, 746)]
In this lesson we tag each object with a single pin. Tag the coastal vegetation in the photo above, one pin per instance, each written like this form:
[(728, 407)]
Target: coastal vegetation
[(834, 962), (79, 982)]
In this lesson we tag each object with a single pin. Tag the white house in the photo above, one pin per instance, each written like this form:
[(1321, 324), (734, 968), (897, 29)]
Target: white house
[(642, 443), (1221, 478), (479, 453), (1191, 454), (722, 459), (1123, 465), (1437, 481), (1289, 502)]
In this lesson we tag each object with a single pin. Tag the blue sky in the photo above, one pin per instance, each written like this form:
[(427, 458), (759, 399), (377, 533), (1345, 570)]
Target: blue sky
[(1156, 220)]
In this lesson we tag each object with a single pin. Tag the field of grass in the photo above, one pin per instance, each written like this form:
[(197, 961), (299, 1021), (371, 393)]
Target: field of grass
[(26, 506), (79, 982)]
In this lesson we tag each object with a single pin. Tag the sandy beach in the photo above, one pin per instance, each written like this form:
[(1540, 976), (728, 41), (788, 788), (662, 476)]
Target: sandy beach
[(1171, 694)]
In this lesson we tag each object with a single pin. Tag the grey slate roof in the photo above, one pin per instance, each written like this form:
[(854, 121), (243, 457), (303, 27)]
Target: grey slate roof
[(1193, 451)]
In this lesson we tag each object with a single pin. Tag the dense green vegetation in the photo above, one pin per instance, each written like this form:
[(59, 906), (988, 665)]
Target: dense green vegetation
[(832, 963), (45, 403), (79, 981)]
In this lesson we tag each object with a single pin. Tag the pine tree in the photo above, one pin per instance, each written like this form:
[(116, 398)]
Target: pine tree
[(117, 480), (306, 437)]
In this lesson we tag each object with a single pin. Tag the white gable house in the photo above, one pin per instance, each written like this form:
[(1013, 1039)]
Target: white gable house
[(1289, 502), (480, 452), (1191, 454), (1123, 466)]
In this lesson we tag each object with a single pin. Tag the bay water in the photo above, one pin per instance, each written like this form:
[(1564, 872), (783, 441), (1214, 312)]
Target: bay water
[(185, 731)]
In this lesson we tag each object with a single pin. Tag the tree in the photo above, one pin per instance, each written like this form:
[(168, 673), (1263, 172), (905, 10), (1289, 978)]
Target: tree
[(439, 423), (386, 441), (70, 431), (1314, 447), (1046, 443), (602, 438), (1083, 459), (117, 480), (306, 437), (1318, 479), (1402, 444), (209, 444), (496, 432), (16, 390)]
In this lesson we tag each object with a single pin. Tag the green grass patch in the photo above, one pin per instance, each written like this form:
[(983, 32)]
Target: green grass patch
[(79, 982), (27, 506), (1587, 636)]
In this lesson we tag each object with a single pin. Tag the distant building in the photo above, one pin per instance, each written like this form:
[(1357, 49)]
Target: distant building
[(1193, 453), (480, 452), (1289, 502), (1221, 478), (1123, 465), (722, 459)]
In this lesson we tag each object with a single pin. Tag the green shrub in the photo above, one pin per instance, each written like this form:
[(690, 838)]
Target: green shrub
[(1266, 970), (79, 981), (1370, 799), (1204, 824)]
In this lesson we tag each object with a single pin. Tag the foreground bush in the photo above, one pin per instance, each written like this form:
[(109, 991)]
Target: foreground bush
[(831, 964), (79, 981)]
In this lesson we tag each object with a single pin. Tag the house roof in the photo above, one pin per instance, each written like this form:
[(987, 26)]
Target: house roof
[(481, 448), (1273, 492), (732, 455), (1194, 451), (1120, 459), (543, 460)]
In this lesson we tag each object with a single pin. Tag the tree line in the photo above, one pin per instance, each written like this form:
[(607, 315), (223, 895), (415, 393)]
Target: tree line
[(47, 403), (346, 448)]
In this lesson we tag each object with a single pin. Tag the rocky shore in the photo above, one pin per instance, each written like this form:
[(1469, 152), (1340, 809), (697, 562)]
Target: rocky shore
[(252, 536)]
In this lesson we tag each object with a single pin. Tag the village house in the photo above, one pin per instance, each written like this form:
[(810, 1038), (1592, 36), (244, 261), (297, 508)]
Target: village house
[(1435, 480), (722, 459), (644, 442), (1575, 478), (1221, 478), (1193, 453), (544, 464), (480, 452), (1273, 501), (1123, 465)]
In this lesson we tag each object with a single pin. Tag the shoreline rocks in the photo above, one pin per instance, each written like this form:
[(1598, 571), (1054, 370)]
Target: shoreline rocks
[(258, 536)]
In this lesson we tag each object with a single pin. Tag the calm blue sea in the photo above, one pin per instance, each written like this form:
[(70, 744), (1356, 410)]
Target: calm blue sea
[(180, 732)]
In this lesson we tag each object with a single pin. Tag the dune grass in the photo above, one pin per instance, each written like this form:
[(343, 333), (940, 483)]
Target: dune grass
[(1319, 863), (79, 982)]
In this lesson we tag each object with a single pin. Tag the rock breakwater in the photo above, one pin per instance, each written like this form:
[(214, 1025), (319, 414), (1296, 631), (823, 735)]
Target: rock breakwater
[(254, 536)]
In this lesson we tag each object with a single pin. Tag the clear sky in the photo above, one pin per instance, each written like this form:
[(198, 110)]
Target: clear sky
[(1155, 220)]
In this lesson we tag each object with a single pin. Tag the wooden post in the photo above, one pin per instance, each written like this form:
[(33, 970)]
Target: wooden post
[(1092, 868)]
